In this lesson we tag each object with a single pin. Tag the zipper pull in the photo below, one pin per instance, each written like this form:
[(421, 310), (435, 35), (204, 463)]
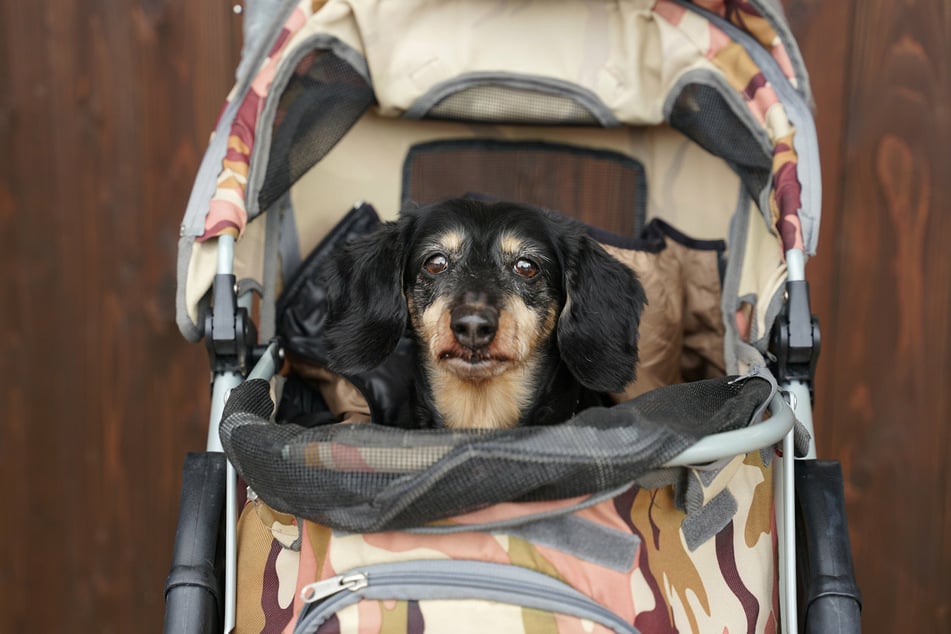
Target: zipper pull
[(318, 590)]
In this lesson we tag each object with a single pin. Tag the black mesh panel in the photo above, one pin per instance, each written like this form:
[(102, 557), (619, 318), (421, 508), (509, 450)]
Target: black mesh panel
[(322, 101), (703, 114), (600, 188), (366, 477)]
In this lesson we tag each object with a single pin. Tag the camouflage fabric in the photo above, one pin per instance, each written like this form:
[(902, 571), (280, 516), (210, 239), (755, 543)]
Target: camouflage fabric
[(696, 557)]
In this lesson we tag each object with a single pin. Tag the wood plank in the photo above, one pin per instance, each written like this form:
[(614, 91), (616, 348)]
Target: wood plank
[(822, 31), (107, 111), (891, 343)]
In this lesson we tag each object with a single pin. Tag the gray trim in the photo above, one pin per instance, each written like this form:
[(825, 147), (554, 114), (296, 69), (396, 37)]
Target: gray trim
[(272, 236), (290, 241), (736, 248), (715, 80), (708, 520), (557, 87), (186, 326), (260, 152), (261, 18), (752, 357), (442, 579), (584, 539)]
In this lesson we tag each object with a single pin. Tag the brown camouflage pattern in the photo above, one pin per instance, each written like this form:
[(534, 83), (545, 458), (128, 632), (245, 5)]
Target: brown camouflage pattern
[(725, 584)]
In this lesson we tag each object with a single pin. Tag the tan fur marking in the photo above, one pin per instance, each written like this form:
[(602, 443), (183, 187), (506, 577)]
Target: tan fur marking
[(434, 328), (510, 244), (451, 241), (496, 402)]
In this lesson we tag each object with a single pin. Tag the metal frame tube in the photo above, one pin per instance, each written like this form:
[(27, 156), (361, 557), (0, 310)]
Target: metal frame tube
[(222, 384), (788, 608)]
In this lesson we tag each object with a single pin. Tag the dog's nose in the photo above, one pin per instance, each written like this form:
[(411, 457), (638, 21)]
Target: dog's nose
[(474, 326)]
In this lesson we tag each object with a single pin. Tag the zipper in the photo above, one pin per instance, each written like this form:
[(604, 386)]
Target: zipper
[(805, 140), (319, 590), (450, 579)]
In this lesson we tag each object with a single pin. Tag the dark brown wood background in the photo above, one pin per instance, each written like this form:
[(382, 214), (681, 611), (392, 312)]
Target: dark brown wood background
[(105, 110)]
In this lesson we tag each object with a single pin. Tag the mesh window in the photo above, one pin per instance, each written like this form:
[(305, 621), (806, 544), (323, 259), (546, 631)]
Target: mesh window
[(600, 188), (323, 99), (506, 104), (703, 114)]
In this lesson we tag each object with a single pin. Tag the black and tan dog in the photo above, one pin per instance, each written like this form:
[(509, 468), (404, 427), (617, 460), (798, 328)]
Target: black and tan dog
[(518, 317)]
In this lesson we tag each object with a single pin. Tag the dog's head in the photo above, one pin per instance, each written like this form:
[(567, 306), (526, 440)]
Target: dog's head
[(495, 296)]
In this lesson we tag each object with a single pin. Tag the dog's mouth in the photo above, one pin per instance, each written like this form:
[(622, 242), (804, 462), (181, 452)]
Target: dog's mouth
[(473, 364)]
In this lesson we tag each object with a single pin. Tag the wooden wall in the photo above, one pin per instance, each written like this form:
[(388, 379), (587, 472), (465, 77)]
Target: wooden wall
[(105, 110), (881, 72)]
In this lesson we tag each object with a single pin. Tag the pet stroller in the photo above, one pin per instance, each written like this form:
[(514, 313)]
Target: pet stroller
[(681, 134)]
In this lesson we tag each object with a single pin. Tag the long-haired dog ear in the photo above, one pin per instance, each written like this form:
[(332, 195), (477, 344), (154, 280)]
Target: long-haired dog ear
[(597, 329), (366, 310)]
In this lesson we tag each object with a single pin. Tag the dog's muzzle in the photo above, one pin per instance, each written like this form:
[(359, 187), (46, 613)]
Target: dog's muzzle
[(474, 326)]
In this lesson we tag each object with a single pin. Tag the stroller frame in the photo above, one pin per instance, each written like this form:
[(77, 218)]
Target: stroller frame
[(794, 404), (232, 343)]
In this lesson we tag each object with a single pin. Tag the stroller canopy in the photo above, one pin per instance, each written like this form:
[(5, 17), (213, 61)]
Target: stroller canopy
[(726, 74)]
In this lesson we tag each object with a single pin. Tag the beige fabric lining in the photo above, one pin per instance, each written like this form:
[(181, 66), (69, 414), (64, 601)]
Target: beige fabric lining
[(688, 187), (681, 329)]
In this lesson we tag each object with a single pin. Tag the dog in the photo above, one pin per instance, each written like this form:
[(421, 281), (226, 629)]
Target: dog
[(517, 316)]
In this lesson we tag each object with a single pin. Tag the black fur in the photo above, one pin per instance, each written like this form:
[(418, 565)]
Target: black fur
[(598, 326), (599, 300), (366, 310)]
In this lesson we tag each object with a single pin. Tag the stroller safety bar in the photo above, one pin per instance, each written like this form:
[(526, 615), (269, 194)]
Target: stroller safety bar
[(739, 441), (714, 447)]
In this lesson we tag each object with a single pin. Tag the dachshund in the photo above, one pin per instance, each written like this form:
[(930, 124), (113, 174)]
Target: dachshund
[(517, 316)]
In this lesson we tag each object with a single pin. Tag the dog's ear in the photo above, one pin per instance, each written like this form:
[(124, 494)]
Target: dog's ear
[(366, 310), (597, 329)]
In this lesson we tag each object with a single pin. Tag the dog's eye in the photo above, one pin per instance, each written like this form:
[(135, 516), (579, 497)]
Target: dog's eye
[(436, 264), (526, 268)]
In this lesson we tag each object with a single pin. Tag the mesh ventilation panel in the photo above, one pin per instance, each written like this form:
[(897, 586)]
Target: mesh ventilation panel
[(506, 104), (366, 477), (703, 114), (600, 188), (323, 99)]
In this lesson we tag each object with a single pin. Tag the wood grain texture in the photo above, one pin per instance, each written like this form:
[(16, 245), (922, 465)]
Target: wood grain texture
[(894, 401), (104, 115), (884, 294)]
